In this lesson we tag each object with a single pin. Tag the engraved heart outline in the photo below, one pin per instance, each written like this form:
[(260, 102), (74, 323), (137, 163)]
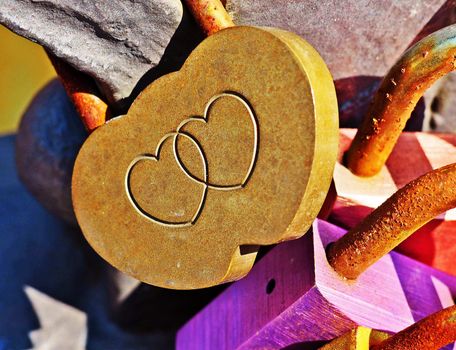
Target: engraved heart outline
[(205, 119), (205, 183), (156, 157)]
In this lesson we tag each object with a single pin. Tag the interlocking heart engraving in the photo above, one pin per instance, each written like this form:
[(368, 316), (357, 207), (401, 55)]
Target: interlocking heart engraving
[(204, 182), (236, 149)]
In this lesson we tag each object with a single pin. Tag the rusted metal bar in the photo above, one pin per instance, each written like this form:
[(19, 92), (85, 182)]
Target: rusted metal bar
[(83, 93), (419, 67), (432, 332), (210, 15), (396, 219)]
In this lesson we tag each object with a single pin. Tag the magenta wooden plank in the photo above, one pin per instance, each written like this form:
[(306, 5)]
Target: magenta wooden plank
[(292, 296)]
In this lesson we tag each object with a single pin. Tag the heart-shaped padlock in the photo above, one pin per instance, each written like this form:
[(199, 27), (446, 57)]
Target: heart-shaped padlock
[(241, 143)]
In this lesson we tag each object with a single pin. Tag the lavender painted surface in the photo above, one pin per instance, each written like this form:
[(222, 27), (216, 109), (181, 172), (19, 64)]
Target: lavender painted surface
[(234, 316), (424, 286), (375, 300), (310, 302)]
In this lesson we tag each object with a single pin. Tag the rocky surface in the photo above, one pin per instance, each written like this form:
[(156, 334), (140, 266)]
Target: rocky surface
[(49, 137), (440, 112), (355, 37), (114, 41), (55, 290)]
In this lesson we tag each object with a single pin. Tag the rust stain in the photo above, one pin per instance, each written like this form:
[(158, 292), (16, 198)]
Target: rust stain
[(83, 93), (210, 15), (408, 79), (402, 214), (432, 332)]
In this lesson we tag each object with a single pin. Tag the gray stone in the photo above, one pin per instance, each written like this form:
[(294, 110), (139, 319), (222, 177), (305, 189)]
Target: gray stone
[(49, 137), (114, 41), (440, 112), (50, 133), (40, 252), (355, 37)]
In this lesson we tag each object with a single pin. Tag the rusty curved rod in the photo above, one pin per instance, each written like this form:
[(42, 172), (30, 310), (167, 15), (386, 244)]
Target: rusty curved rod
[(397, 218), (83, 93), (210, 15), (400, 90), (432, 332)]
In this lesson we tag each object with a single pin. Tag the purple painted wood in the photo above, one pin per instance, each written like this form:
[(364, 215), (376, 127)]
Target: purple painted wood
[(308, 301)]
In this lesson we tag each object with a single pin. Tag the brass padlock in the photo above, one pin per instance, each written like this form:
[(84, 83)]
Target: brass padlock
[(235, 150)]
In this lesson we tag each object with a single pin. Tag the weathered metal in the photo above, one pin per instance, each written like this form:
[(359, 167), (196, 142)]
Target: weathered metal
[(415, 154), (172, 201), (431, 333), (210, 15), (400, 90), (396, 219), (82, 91)]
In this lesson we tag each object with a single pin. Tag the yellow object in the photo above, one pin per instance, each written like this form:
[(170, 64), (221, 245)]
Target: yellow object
[(24, 69), (360, 338)]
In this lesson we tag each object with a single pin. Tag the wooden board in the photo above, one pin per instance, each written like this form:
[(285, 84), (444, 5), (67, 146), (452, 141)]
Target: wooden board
[(293, 296), (415, 154)]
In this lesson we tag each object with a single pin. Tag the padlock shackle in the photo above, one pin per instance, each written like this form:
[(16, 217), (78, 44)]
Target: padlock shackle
[(83, 92), (432, 332), (210, 15), (397, 218), (93, 111), (418, 68)]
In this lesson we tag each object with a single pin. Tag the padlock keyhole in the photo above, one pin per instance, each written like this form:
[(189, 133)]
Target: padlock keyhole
[(270, 286)]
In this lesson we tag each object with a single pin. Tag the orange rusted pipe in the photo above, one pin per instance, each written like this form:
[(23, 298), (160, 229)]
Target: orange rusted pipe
[(210, 15), (396, 219), (419, 67), (432, 332), (83, 93)]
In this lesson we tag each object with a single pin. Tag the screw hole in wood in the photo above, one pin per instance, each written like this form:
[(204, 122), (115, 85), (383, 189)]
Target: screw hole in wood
[(270, 286)]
